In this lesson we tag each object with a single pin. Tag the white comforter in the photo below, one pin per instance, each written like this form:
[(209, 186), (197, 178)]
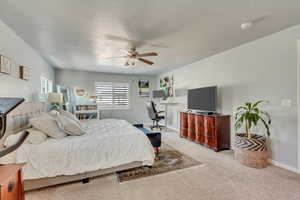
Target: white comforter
[(107, 143)]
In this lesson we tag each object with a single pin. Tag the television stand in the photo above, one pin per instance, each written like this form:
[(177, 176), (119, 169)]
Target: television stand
[(210, 130)]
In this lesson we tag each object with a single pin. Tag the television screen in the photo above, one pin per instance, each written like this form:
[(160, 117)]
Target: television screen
[(203, 99)]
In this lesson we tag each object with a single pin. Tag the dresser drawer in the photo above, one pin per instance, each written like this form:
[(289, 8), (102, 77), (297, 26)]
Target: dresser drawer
[(211, 142), (199, 127), (210, 132), (191, 127), (209, 121)]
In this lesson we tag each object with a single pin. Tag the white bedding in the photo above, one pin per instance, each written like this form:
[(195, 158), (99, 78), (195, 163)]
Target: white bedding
[(107, 143)]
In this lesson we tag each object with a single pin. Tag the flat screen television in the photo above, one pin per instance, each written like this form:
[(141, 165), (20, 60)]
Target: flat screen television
[(203, 99)]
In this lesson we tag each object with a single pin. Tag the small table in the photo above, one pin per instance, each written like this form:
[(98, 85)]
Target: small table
[(166, 103), (154, 137)]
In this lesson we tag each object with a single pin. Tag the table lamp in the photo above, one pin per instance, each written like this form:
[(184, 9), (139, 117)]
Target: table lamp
[(55, 99)]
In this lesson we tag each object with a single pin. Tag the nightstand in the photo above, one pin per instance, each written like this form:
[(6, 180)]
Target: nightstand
[(11, 182)]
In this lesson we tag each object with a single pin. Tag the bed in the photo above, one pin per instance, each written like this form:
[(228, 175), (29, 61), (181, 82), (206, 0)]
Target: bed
[(109, 145)]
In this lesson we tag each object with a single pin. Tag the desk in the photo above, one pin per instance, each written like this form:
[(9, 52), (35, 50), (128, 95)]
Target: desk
[(166, 103)]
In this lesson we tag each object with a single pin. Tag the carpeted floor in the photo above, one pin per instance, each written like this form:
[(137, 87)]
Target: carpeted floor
[(168, 159), (220, 178)]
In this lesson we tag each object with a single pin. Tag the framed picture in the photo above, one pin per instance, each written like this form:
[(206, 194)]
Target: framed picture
[(24, 73), (80, 92), (166, 84), (5, 66), (144, 90)]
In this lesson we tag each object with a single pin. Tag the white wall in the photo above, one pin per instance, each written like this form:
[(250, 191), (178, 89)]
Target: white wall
[(20, 53), (137, 112), (263, 69)]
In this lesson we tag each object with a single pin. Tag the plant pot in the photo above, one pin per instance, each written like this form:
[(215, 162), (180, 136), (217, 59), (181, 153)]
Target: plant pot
[(251, 152)]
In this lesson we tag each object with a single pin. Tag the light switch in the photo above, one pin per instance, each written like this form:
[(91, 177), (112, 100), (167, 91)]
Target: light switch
[(286, 103)]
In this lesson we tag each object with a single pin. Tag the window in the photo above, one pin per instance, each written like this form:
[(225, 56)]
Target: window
[(112, 95), (46, 87)]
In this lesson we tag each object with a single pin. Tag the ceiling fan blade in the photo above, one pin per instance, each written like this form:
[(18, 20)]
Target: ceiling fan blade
[(146, 61), (148, 54), (125, 51)]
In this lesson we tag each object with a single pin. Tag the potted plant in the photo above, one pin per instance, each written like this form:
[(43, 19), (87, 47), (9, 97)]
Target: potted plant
[(251, 149)]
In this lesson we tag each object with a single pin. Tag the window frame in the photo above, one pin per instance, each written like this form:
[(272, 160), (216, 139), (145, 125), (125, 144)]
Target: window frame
[(46, 86), (114, 85)]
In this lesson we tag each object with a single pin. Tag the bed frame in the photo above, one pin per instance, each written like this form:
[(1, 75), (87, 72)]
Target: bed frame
[(18, 120), (46, 182)]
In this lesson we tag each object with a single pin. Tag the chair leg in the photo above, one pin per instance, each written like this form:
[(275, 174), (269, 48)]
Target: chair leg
[(156, 151), (153, 125), (157, 125)]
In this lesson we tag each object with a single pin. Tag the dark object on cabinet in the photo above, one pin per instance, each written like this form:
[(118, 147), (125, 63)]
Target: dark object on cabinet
[(212, 131)]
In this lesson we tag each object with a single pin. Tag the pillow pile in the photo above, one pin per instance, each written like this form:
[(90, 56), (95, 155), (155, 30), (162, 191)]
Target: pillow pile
[(69, 115), (70, 126), (47, 124), (56, 124), (36, 136)]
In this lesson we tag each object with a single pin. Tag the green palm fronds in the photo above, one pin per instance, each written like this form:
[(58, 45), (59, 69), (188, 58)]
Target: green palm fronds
[(250, 115)]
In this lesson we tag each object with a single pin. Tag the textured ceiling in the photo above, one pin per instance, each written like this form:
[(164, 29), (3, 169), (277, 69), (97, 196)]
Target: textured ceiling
[(77, 34)]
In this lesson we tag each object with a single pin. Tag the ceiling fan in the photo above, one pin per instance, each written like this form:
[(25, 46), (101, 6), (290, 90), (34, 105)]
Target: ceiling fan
[(132, 56)]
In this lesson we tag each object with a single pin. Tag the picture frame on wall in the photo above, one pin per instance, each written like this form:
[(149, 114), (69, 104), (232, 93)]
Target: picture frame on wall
[(5, 65), (24, 73), (144, 90), (167, 84), (80, 92)]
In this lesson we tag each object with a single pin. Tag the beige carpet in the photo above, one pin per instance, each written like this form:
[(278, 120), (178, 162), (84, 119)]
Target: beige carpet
[(168, 160), (221, 178)]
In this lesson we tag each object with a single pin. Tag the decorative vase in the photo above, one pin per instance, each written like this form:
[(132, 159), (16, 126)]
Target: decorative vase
[(251, 152)]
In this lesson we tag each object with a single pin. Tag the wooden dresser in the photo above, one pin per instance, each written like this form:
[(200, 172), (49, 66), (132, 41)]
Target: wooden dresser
[(11, 182), (212, 131)]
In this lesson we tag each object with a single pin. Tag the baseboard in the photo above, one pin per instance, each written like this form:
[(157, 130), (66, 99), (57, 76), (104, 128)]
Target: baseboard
[(173, 128), (170, 127), (284, 166)]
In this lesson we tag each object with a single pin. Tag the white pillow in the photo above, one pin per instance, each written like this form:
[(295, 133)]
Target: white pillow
[(69, 125), (48, 125), (53, 113), (35, 136), (69, 115)]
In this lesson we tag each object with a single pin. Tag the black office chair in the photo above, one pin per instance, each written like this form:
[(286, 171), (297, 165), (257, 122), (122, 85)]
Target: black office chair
[(154, 115)]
